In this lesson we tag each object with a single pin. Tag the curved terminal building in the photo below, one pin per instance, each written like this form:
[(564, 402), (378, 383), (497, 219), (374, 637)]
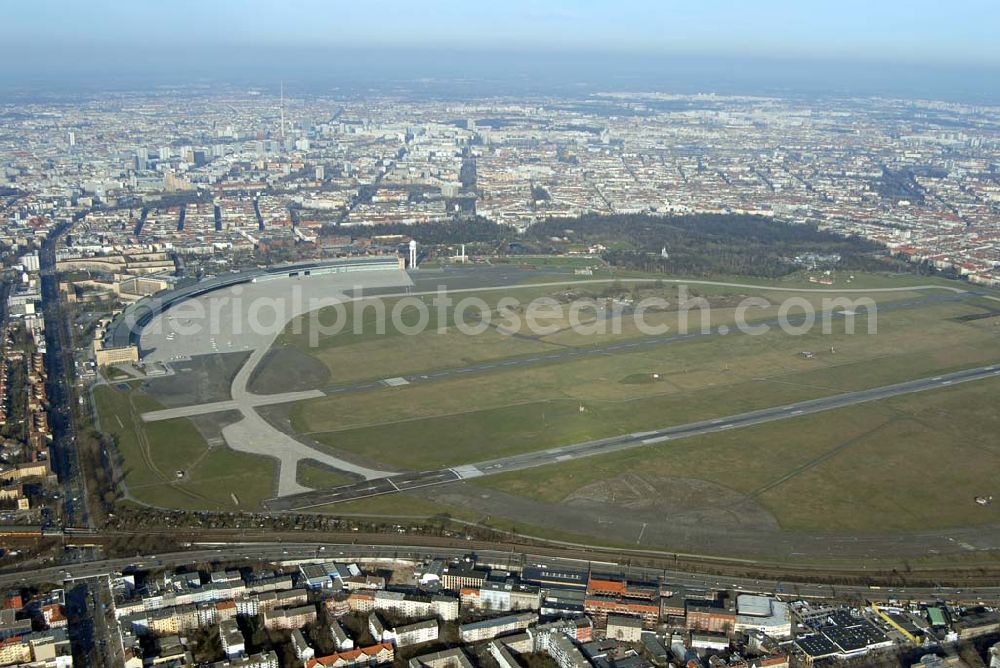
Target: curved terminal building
[(221, 298)]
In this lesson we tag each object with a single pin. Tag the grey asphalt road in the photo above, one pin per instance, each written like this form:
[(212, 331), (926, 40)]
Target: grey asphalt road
[(250, 401), (298, 552), (364, 489), (376, 487)]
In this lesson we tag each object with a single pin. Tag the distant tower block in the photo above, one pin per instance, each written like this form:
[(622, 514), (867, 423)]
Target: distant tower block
[(413, 254), (281, 104)]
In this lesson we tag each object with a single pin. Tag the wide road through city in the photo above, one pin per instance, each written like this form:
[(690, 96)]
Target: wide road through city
[(392, 484), (228, 552)]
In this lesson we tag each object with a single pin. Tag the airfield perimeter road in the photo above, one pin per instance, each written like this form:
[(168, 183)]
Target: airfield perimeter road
[(410, 481)]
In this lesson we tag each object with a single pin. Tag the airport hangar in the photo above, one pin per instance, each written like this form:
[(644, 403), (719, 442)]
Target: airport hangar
[(126, 327), (148, 326)]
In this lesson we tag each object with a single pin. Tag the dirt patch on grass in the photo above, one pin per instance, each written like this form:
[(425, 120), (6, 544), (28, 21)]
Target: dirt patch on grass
[(210, 425), (288, 369), (682, 500), (642, 378)]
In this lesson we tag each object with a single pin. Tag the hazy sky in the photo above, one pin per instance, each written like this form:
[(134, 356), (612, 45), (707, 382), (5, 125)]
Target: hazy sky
[(954, 31)]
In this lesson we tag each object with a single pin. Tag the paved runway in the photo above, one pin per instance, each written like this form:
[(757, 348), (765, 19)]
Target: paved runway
[(365, 489), (249, 401), (528, 460)]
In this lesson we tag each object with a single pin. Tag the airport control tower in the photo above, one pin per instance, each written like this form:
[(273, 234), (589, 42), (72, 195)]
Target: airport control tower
[(413, 254)]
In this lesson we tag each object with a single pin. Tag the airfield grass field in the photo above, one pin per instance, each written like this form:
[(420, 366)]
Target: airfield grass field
[(381, 353), (314, 475), (152, 453), (907, 463), (472, 418), (869, 468), (409, 506), (902, 464), (376, 359)]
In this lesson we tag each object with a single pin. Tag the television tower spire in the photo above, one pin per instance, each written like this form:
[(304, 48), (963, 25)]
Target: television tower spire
[(281, 104)]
